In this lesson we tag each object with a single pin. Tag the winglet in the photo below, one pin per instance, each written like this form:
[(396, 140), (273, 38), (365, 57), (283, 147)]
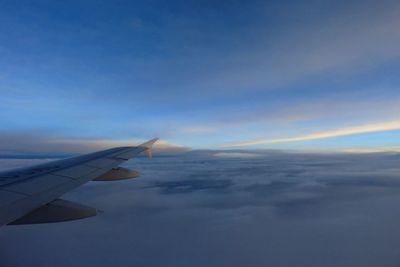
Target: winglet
[(148, 146)]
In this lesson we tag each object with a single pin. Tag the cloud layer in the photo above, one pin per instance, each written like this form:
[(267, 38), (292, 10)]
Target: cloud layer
[(193, 209)]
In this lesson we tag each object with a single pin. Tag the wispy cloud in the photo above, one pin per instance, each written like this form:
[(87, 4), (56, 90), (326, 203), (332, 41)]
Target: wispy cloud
[(330, 46), (360, 129), (395, 149)]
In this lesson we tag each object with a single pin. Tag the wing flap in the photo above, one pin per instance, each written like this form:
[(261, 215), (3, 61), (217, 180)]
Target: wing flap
[(57, 211), (117, 174), (7, 197), (104, 163), (75, 172), (18, 208)]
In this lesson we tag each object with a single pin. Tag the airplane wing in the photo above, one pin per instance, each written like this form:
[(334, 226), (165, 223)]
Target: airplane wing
[(31, 195)]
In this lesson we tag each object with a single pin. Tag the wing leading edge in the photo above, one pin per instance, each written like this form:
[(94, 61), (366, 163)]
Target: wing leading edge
[(31, 195)]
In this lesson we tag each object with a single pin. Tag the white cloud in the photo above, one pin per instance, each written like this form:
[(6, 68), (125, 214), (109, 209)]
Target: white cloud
[(359, 129)]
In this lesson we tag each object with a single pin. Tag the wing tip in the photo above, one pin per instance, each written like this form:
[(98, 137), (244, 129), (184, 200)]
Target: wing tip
[(149, 143), (149, 147)]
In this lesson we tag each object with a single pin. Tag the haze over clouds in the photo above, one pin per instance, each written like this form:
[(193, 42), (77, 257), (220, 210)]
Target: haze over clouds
[(277, 209)]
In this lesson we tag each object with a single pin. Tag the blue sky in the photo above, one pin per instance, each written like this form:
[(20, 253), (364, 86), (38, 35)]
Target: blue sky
[(201, 74)]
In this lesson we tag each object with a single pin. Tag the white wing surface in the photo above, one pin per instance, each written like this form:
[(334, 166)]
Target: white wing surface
[(30, 195)]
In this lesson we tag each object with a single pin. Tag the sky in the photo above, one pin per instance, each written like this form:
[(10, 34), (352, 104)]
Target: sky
[(290, 75), (245, 95), (207, 208)]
